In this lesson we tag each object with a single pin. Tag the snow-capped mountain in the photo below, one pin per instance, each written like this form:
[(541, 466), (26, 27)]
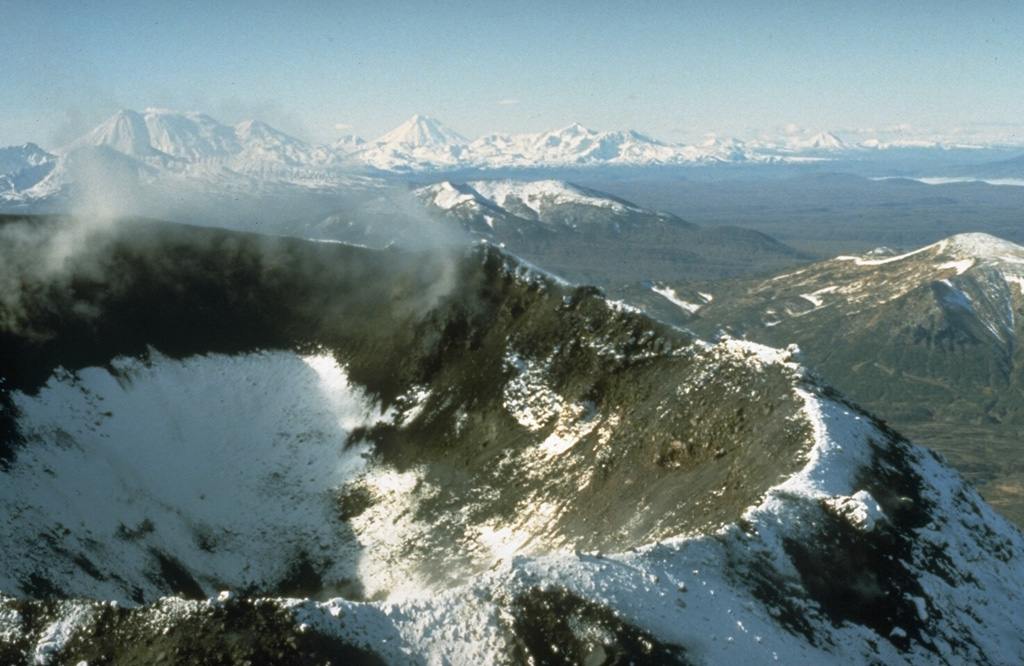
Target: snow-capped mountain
[(577, 145), (421, 132), (419, 144), (22, 167), (347, 144), (588, 236), (15, 159), (194, 148), (172, 164), (536, 199), (447, 459), (929, 339), (423, 145), (176, 140), (126, 132), (191, 157), (821, 142)]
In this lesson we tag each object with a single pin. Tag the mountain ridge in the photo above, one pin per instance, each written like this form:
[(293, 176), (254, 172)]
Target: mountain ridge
[(927, 338), (420, 146), (593, 238), (548, 476)]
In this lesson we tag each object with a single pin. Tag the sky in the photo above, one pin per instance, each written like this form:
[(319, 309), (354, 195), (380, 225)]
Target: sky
[(679, 71)]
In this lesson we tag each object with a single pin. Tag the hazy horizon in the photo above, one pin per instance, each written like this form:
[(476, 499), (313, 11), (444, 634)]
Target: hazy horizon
[(679, 72)]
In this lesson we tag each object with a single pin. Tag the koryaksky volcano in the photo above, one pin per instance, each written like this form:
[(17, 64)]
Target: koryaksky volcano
[(220, 447)]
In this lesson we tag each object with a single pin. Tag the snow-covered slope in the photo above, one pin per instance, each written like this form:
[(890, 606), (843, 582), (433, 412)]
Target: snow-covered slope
[(152, 465), (418, 144), (976, 282), (16, 159), (928, 338), (176, 140), (127, 132), (421, 132), (450, 459), (21, 168), (534, 198), (884, 276)]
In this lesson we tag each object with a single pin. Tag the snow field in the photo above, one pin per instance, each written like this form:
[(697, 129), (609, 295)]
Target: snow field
[(224, 464)]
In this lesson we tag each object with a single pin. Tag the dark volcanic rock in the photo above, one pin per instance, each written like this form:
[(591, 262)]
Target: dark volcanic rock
[(441, 448)]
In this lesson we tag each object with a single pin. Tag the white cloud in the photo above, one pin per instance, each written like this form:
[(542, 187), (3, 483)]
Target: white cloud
[(508, 102), (341, 127)]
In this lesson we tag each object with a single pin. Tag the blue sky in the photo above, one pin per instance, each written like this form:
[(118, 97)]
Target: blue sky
[(678, 71)]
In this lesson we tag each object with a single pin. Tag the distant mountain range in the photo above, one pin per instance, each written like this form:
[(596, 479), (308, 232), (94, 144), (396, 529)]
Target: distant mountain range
[(252, 156)]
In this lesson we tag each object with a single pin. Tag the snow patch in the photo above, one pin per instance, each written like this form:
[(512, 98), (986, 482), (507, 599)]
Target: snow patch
[(52, 640), (673, 298), (861, 261), (527, 396), (959, 266), (226, 464), (384, 529), (574, 423), (534, 405), (813, 299), (979, 246), (539, 194), (861, 510), (840, 444), (956, 297), (447, 196)]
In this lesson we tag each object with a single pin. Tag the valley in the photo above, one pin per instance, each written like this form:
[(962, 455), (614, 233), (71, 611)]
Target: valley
[(832, 213)]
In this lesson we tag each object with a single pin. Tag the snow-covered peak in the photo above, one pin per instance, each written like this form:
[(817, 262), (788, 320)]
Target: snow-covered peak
[(206, 152), (969, 248), (978, 277), (126, 132), (572, 136), (16, 158), (880, 144), (348, 143), (262, 146), (447, 196), (537, 196), (421, 131), (258, 130), (574, 130), (22, 168), (981, 247), (189, 135), (723, 150), (822, 141), (178, 140), (161, 133), (421, 144)]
